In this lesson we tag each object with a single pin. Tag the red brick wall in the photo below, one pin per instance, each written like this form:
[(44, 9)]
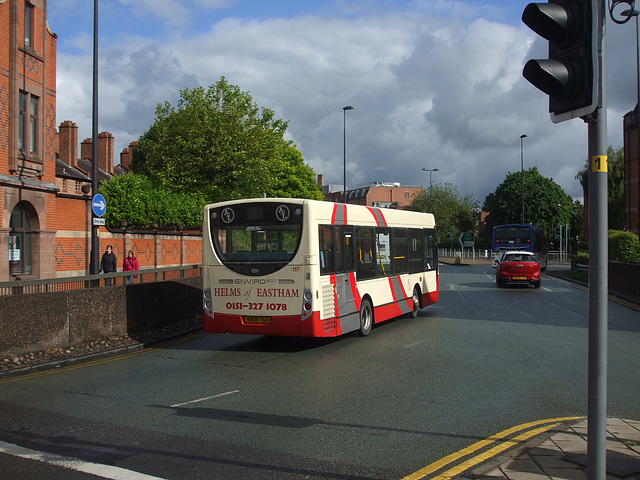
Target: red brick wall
[(4, 88), (72, 249)]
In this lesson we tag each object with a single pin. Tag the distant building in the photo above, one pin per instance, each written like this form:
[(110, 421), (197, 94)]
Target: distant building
[(378, 194)]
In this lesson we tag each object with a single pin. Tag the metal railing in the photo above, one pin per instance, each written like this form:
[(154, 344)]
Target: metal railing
[(479, 254), (18, 287)]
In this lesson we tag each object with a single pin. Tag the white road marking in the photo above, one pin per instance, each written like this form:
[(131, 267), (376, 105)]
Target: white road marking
[(105, 471), (204, 399)]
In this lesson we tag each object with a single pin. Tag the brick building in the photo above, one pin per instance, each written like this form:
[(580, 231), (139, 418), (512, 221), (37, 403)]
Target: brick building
[(378, 194), (631, 172), (27, 139), (45, 201)]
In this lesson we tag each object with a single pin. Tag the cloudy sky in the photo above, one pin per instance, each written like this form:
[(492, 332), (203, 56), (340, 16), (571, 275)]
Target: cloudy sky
[(434, 83)]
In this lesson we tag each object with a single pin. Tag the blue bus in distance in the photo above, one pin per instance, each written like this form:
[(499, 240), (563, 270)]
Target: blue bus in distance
[(517, 236)]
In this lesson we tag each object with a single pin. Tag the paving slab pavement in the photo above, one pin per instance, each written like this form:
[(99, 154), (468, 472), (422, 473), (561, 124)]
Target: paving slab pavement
[(563, 455)]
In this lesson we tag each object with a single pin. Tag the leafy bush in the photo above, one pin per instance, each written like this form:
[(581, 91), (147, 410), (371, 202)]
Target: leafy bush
[(581, 258), (624, 247), (141, 201)]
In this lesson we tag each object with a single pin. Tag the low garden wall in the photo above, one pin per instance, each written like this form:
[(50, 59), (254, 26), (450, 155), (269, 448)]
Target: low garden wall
[(624, 278), (43, 321)]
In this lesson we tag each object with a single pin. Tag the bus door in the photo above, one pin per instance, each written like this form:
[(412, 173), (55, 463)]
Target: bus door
[(345, 267), (337, 260)]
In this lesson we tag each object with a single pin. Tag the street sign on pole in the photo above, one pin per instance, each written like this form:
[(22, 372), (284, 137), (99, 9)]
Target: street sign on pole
[(466, 239), (98, 205)]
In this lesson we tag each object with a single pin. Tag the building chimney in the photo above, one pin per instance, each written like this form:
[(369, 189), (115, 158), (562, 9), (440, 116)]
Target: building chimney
[(127, 156), (321, 180), (86, 149), (68, 143), (105, 152)]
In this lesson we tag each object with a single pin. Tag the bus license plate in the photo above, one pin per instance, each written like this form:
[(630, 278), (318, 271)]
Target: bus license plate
[(519, 277), (258, 320)]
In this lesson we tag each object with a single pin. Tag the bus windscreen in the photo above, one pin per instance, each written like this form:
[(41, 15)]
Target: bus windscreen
[(513, 235)]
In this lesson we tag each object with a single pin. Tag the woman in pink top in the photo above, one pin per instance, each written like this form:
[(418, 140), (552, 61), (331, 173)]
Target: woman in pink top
[(131, 264)]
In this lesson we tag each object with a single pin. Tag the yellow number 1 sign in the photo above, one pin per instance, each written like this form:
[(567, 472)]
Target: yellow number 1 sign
[(600, 163)]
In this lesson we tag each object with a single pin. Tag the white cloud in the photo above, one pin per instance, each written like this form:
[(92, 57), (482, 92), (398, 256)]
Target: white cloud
[(438, 86)]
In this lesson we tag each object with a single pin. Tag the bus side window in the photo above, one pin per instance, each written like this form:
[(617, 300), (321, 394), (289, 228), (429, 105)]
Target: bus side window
[(348, 241), (429, 244), (365, 253), (399, 250), (415, 250), (339, 250), (327, 249)]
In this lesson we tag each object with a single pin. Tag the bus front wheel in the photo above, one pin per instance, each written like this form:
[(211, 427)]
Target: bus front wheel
[(366, 318)]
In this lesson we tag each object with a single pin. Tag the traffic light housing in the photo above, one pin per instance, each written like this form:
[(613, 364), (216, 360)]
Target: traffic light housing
[(570, 75), (557, 231)]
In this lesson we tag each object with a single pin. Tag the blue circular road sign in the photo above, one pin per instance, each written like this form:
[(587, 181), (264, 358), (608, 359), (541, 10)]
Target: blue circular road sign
[(99, 205)]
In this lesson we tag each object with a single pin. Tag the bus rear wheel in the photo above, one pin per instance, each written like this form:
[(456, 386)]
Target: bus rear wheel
[(415, 300), (366, 318)]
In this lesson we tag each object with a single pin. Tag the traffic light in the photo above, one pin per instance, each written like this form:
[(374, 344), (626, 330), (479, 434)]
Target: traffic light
[(570, 75), (557, 231)]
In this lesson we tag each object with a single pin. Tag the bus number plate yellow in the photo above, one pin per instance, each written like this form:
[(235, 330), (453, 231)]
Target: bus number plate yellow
[(258, 320)]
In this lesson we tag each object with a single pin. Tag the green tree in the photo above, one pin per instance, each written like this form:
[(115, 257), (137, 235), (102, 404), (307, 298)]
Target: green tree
[(138, 200), (545, 203), (615, 185), (295, 179), (453, 211), (576, 225), (219, 144)]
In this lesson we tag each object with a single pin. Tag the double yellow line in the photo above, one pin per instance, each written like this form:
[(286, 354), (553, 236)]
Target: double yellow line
[(503, 440)]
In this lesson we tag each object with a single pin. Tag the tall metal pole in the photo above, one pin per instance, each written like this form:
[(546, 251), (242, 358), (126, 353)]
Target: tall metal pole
[(523, 136), (598, 281), (344, 142), (95, 244), (430, 170), (430, 192)]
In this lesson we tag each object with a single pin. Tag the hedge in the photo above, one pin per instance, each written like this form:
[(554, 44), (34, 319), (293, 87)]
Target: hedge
[(624, 247)]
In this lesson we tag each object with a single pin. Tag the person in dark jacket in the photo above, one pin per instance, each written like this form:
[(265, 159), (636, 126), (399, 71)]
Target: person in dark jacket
[(108, 264)]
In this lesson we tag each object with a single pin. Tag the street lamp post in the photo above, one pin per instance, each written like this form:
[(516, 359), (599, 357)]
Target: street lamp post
[(430, 170), (95, 241), (523, 136), (344, 142)]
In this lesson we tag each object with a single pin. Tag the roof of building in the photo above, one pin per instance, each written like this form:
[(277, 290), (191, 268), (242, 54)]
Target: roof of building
[(67, 171)]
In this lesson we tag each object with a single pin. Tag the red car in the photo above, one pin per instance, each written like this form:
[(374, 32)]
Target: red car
[(518, 268)]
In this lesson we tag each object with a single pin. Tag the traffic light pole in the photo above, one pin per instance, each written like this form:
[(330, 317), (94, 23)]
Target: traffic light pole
[(598, 273), (573, 77)]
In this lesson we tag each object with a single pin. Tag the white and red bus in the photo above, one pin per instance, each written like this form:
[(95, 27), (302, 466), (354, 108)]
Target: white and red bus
[(297, 267)]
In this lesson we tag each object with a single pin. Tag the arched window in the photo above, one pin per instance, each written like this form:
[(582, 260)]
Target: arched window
[(20, 236)]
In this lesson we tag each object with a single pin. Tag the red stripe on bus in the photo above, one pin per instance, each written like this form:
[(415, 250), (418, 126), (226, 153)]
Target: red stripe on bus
[(393, 290), (386, 312), (334, 214), (378, 216), (354, 289), (401, 295), (332, 279)]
